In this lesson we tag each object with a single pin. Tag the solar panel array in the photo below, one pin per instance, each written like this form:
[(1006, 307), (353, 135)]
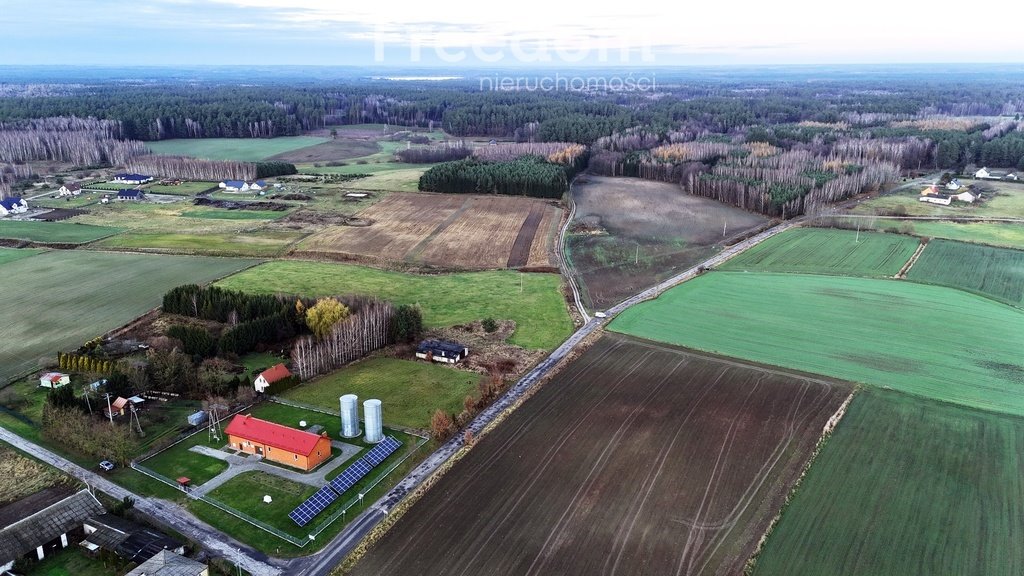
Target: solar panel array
[(364, 465), (316, 503)]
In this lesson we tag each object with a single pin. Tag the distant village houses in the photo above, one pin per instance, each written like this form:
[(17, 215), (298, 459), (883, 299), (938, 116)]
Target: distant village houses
[(70, 190), (986, 174), (242, 186)]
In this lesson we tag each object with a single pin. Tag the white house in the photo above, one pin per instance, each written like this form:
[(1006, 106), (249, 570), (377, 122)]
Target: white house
[(986, 174), (936, 199), (954, 185), (13, 206), (441, 351), (234, 186), (271, 375), (54, 380), (70, 190), (134, 179), (258, 185)]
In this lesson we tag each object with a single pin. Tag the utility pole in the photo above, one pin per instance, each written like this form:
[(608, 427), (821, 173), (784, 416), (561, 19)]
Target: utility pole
[(110, 411), (85, 393), (857, 240), (725, 224), (636, 260)]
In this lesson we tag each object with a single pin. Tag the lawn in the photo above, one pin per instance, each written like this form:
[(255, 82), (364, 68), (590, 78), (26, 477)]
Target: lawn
[(73, 561), (58, 300), (183, 189), (995, 272), (256, 362), (178, 460), (542, 320), (828, 251), (927, 340), (245, 493), (259, 243), (12, 254), (411, 391), (54, 232), (240, 149), (907, 486)]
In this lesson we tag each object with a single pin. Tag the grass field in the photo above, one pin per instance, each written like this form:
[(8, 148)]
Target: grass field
[(1007, 234), (907, 486), (183, 189), (54, 232), (72, 561), (58, 300), (12, 254), (241, 149), (259, 244), (220, 214), (636, 459), (411, 391), (368, 168), (1004, 199), (536, 305), (995, 272), (828, 251), (927, 340), (245, 493)]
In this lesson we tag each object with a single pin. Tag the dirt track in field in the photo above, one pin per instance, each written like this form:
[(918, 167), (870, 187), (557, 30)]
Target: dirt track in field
[(445, 230), (637, 459)]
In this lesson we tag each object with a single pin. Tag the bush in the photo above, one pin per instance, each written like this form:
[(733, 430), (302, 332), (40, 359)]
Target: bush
[(489, 325), (407, 324)]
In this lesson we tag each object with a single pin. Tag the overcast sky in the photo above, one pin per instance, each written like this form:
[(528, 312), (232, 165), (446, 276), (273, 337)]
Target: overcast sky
[(462, 33)]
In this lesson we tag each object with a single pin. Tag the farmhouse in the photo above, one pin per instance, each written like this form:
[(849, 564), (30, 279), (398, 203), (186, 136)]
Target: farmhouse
[(167, 563), (278, 443), (43, 523), (441, 351), (54, 380), (128, 540), (930, 190), (130, 195), (943, 199), (953, 184), (258, 185), (13, 205), (986, 174), (70, 190), (234, 186), (134, 179), (271, 375)]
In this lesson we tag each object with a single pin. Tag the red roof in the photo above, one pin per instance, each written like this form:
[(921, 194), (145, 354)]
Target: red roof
[(275, 373), (271, 434)]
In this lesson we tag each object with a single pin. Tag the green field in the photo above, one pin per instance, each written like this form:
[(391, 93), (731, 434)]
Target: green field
[(183, 189), (12, 254), (54, 232), (995, 272), (907, 486), (447, 299), (58, 300), (241, 149), (828, 251), (220, 214), (369, 168), (411, 390), (260, 243), (927, 340), (1007, 234)]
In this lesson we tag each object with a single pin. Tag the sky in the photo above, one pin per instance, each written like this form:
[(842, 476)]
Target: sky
[(457, 34)]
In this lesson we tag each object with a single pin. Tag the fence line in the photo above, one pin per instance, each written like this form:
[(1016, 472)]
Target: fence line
[(300, 542), (199, 429)]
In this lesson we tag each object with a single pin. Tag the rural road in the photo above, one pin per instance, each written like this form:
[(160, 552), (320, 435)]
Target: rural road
[(168, 513), (322, 562), (563, 262)]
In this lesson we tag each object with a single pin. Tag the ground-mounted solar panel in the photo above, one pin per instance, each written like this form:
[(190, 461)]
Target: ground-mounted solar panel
[(313, 505), (360, 468)]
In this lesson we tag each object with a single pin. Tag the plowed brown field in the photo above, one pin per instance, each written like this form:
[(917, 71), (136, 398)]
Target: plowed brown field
[(637, 459), (463, 232)]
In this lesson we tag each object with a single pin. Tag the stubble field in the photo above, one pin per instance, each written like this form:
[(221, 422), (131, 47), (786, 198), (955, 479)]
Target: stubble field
[(448, 231), (638, 459)]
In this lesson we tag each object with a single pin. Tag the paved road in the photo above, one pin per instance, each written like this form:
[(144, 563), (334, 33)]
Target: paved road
[(168, 513), (321, 563)]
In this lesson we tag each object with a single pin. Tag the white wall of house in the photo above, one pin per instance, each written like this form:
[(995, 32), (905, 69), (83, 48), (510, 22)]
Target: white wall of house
[(261, 383)]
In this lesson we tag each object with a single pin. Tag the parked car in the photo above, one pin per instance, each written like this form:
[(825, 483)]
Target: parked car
[(106, 465)]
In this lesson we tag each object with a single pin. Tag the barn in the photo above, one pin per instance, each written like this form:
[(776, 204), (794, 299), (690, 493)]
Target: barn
[(271, 375), (278, 443), (441, 351)]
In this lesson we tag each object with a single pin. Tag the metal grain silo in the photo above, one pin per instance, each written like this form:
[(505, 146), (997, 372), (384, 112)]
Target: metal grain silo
[(372, 417), (349, 416)]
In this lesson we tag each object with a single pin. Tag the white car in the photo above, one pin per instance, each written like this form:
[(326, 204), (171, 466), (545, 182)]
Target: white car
[(600, 315), (106, 465)]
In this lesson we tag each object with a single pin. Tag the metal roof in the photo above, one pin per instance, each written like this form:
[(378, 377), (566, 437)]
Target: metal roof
[(167, 563), (40, 527)]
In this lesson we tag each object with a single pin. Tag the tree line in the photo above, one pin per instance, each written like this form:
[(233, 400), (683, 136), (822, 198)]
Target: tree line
[(526, 176)]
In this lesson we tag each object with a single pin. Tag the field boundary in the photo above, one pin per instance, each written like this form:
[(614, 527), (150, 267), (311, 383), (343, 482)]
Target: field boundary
[(902, 274)]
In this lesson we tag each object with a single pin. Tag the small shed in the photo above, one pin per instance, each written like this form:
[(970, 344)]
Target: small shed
[(117, 407), (54, 380)]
